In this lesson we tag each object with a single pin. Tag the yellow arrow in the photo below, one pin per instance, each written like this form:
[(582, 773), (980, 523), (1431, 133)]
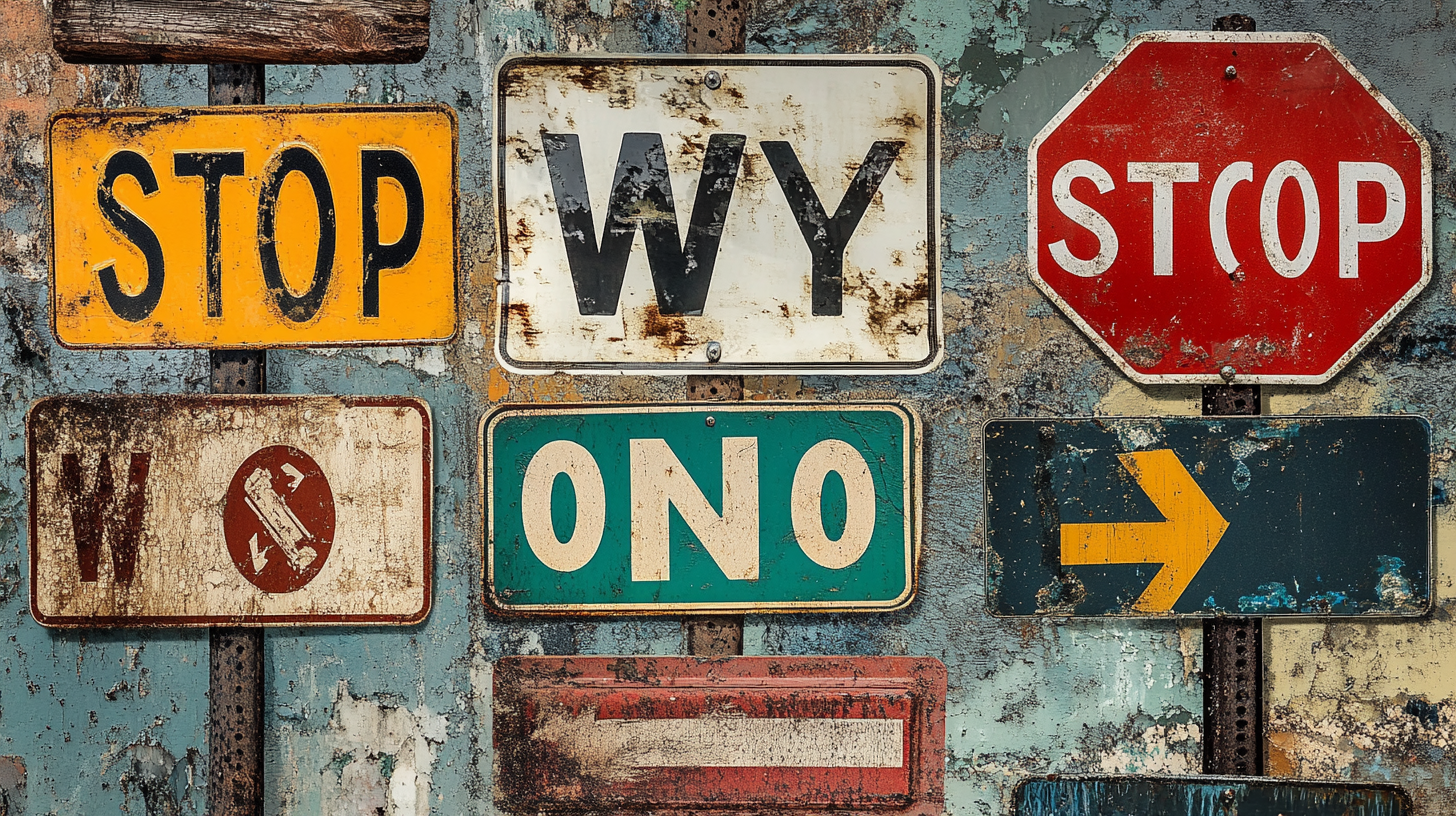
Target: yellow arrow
[(1181, 544)]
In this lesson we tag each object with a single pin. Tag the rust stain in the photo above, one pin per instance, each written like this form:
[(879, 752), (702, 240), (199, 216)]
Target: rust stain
[(521, 314), (523, 237), (513, 83), (1145, 350), (589, 76), (669, 331), (889, 312), (909, 121)]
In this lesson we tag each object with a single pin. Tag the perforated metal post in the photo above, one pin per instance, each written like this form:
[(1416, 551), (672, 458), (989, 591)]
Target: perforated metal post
[(1233, 649), (715, 27), (235, 681)]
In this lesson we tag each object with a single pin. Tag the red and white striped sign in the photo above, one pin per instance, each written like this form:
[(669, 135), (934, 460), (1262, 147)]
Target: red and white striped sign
[(723, 735)]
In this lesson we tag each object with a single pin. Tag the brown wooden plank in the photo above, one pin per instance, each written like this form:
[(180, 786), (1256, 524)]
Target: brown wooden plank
[(284, 31)]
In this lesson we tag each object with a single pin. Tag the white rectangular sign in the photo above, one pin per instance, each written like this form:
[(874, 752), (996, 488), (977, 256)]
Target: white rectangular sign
[(723, 214), (194, 510)]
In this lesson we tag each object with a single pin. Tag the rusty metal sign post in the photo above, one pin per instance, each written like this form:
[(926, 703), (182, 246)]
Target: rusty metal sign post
[(607, 509), (236, 226), (732, 735), (1230, 206), (715, 27), (235, 653), (786, 206)]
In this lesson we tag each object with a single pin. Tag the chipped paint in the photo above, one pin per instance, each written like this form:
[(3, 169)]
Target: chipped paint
[(304, 510)]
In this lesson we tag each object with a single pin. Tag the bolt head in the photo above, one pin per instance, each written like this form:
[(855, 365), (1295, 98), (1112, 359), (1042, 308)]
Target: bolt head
[(710, 422), (1230, 72), (713, 80), (715, 351), (1228, 373)]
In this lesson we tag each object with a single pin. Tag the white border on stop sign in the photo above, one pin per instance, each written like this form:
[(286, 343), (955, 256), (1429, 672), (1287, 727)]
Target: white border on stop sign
[(1427, 245)]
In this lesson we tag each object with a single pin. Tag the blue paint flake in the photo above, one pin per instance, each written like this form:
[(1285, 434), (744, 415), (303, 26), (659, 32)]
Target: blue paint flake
[(1242, 477), (1271, 598), (1326, 602), (1393, 589)]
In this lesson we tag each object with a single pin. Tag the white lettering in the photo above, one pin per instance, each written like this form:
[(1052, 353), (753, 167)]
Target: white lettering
[(1163, 176), (659, 482), (1269, 219), (1218, 212), (1085, 217), (1354, 232), (557, 457), (808, 493)]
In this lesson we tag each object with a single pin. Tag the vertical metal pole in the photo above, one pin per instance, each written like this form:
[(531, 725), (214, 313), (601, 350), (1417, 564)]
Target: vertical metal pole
[(715, 27), (1233, 649), (235, 683)]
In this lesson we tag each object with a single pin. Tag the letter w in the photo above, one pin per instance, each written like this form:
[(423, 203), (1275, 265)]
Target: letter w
[(642, 195), (96, 510)]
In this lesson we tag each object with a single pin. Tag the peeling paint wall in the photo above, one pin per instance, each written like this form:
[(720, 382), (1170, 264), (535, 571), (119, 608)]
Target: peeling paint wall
[(397, 720)]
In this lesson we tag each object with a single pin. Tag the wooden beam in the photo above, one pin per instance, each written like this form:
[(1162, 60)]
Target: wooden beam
[(238, 31)]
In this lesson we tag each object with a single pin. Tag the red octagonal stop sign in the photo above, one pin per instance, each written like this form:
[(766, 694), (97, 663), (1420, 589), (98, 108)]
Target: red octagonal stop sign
[(1217, 201)]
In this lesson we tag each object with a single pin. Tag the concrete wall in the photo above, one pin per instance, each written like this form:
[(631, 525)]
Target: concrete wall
[(397, 721)]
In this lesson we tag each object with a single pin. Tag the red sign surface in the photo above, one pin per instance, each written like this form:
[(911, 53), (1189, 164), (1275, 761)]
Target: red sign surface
[(1221, 199), (725, 735)]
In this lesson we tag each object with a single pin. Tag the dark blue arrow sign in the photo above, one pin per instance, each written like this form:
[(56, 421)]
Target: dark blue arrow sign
[(1208, 516), (1205, 796)]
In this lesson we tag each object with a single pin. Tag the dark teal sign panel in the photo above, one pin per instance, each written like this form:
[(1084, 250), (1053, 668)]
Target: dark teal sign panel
[(1205, 796), (701, 506), (1204, 516)]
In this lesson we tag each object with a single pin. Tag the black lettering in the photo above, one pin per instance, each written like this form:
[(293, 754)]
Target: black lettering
[(298, 308), (212, 167), (377, 164), (139, 306), (827, 237), (96, 511), (642, 195)]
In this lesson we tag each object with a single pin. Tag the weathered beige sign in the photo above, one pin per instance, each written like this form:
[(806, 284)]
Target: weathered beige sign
[(191, 511), (723, 214)]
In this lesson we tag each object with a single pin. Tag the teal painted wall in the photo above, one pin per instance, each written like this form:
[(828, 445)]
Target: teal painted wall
[(397, 721)]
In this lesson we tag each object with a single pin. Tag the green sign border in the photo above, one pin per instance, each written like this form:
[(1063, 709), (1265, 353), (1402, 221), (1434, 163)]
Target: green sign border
[(913, 464)]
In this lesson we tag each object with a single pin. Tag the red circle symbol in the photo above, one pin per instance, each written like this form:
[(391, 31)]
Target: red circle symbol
[(278, 519), (1216, 200)]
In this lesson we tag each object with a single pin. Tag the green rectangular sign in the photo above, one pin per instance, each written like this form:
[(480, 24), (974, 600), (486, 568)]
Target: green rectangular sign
[(1195, 517), (701, 507), (1205, 796)]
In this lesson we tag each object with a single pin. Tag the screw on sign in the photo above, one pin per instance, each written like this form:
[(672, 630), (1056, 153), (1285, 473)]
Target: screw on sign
[(1230, 205), (278, 519)]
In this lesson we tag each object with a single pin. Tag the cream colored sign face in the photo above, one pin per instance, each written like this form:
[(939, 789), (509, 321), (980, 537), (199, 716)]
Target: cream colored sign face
[(718, 214), (253, 226), (189, 511)]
